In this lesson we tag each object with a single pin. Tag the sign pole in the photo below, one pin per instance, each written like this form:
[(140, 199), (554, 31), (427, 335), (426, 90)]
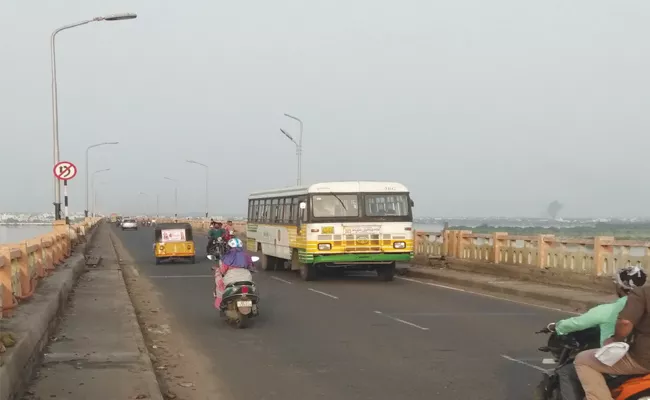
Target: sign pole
[(65, 201)]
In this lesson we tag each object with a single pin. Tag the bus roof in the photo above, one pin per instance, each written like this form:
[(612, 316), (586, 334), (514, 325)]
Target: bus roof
[(334, 187)]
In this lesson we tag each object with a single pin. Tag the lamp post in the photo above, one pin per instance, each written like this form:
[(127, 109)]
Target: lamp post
[(298, 146), (55, 105), (175, 196), (87, 150), (207, 185), (93, 186)]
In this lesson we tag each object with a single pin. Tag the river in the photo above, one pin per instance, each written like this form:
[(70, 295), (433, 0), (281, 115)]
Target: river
[(18, 233)]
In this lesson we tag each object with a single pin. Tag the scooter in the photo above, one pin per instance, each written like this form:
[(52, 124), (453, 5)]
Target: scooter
[(240, 300), (564, 349)]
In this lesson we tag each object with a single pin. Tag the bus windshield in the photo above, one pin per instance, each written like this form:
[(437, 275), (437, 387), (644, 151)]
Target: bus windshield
[(388, 204), (330, 205), (375, 206)]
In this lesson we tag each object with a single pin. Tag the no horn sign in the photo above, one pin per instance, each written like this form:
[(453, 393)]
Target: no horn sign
[(65, 170)]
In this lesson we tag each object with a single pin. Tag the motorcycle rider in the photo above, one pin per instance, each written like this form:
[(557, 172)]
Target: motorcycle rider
[(235, 266), (602, 316), (633, 317), (214, 234)]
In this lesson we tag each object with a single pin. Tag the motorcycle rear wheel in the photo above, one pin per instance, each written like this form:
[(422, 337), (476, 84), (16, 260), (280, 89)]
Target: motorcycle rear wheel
[(242, 321)]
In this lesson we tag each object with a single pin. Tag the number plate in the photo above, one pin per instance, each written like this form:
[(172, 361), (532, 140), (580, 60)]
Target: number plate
[(247, 303)]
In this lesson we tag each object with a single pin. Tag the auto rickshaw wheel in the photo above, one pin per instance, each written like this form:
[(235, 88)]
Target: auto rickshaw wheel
[(157, 261), (193, 259)]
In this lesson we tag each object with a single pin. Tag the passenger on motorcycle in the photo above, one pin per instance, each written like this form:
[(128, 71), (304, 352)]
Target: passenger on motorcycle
[(633, 318), (602, 316), (235, 266)]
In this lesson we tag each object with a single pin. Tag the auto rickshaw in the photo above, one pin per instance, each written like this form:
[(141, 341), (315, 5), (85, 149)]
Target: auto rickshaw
[(174, 241)]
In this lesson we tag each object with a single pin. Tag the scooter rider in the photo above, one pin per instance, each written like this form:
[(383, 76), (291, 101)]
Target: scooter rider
[(235, 265), (633, 317), (602, 316)]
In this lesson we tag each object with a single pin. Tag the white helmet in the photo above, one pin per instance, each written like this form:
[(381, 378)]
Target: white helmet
[(235, 243), (628, 278)]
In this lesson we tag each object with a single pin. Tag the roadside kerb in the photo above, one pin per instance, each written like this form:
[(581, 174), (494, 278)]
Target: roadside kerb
[(36, 321)]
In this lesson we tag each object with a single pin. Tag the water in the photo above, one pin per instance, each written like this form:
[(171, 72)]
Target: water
[(18, 233), (428, 227)]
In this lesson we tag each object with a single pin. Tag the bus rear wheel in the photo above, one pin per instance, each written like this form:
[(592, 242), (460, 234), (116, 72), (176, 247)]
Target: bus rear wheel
[(268, 263)]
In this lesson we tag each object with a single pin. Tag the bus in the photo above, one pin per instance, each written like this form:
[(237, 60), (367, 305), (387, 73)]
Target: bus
[(336, 226)]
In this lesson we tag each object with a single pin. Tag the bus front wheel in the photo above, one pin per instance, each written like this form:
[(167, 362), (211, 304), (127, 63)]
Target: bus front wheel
[(308, 272), (386, 272)]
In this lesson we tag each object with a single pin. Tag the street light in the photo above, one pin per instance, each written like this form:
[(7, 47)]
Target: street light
[(88, 149), (175, 196), (298, 146), (55, 105), (207, 185), (93, 186)]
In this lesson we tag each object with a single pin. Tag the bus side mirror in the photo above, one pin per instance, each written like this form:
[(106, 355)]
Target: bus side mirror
[(412, 203)]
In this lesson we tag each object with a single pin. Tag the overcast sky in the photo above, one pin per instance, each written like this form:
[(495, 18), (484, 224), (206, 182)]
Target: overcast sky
[(480, 107)]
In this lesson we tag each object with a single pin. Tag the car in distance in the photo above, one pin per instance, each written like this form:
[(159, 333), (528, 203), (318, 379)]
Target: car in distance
[(129, 224)]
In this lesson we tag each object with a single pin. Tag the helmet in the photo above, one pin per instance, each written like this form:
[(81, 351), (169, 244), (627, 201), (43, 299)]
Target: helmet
[(235, 243), (628, 278)]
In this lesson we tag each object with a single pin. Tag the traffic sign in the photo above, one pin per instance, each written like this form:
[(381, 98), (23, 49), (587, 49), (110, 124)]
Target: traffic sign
[(65, 170)]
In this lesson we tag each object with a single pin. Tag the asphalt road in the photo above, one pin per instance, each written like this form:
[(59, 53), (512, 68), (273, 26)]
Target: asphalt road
[(354, 337)]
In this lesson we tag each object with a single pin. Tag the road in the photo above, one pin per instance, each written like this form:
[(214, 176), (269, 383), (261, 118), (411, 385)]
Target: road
[(354, 337)]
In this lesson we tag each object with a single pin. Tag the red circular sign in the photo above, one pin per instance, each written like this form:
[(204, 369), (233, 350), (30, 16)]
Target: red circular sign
[(65, 170)]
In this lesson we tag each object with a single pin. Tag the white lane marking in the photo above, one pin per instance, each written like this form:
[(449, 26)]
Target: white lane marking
[(461, 314), (180, 276), (323, 293), (485, 295), (402, 321), (281, 280), (523, 363)]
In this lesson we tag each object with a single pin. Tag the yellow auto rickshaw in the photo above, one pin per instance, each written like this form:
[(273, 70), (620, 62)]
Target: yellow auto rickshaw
[(173, 242)]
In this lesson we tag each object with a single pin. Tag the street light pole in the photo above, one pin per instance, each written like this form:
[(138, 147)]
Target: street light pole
[(175, 196), (93, 187), (207, 185), (87, 150), (298, 146), (285, 133), (55, 105)]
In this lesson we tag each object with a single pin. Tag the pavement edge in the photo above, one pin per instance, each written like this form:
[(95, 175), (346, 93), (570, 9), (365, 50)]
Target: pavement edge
[(152, 380), (498, 289), (18, 364)]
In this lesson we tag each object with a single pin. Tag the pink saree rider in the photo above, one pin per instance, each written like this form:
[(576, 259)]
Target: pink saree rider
[(234, 266)]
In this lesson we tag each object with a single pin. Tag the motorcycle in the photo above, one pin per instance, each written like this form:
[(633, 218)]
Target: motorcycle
[(564, 349), (240, 299), (216, 248)]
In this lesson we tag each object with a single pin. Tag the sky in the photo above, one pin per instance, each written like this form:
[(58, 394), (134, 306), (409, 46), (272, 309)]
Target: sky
[(481, 108)]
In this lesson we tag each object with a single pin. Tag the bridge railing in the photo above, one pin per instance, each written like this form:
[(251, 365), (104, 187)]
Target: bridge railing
[(23, 264), (598, 256)]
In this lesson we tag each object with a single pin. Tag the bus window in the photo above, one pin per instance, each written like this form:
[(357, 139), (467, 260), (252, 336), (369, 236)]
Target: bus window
[(286, 218), (389, 204)]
